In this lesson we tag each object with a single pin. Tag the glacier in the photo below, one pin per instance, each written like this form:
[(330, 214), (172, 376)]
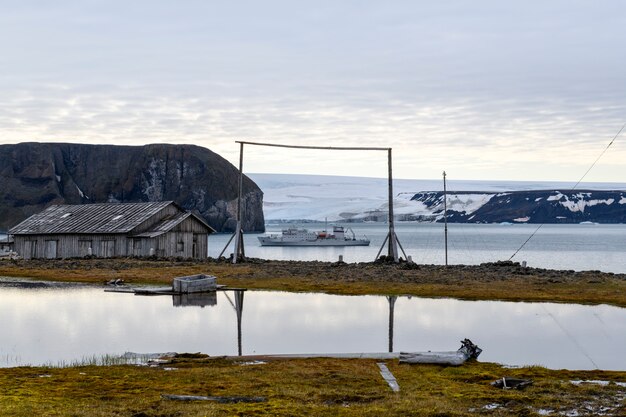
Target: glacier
[(290, 197)]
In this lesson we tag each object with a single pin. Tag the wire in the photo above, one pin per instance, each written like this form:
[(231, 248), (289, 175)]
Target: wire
[(574, 187), (600, 156), (571, 337)]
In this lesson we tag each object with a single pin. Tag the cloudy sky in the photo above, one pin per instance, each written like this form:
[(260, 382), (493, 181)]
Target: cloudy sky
[(484, 89)]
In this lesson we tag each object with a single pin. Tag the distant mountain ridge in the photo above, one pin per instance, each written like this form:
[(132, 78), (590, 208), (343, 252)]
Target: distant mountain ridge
[(36, 175), (534, 206), (291, 198)]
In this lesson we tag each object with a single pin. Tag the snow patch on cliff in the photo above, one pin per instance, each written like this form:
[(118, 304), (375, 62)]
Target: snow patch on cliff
[(80, 192), (579, 202), (152, 180), (467, 203)]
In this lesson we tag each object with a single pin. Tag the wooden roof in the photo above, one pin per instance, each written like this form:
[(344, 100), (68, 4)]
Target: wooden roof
[(169, 223), (93, 218)]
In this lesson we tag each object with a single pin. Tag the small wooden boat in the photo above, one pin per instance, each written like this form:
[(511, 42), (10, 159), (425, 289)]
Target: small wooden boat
[(194, 283)]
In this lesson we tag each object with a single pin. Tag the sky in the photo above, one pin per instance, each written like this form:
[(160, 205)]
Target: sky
[(485, 89)]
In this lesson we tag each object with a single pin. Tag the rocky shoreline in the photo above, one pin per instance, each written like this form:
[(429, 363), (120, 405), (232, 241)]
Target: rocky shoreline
[(502, 280)]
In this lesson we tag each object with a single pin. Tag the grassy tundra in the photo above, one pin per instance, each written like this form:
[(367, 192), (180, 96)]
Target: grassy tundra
[(321, 387)]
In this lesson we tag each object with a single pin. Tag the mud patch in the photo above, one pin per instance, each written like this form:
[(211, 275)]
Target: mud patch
[(11, 282)]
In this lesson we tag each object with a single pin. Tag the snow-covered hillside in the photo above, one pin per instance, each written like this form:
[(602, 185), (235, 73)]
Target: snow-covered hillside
[(318, 197)]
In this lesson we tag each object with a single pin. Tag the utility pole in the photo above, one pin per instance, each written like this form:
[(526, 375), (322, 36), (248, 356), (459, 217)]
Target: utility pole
[(445, 216), (239, 253)]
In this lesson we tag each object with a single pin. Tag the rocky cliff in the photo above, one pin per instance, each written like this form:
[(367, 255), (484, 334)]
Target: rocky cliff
[(541, 206), (36, 175)]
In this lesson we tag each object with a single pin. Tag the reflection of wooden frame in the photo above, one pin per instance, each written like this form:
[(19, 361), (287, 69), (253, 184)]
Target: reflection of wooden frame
[(392, 238)]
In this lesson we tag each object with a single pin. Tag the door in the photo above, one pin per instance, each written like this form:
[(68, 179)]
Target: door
[(30, 249), (84, 248), (136, 247), (51, 249), (195, 252), (107, 248)]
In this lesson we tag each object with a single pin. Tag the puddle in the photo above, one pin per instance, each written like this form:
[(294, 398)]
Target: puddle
[(50, 325)]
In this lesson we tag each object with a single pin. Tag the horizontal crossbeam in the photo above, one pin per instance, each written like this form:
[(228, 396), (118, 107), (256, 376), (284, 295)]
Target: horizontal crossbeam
[(335, 148)]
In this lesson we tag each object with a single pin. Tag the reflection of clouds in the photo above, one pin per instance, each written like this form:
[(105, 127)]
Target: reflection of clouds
[(556, 335), (512, 333), (69, 324), (56, 325), (319, 312)]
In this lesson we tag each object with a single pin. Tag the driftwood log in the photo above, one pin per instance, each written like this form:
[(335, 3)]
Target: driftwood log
[(222, 400), (508, 383), (467, 351)]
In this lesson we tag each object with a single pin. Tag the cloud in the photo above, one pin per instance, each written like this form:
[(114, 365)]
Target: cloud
[(520, 91)]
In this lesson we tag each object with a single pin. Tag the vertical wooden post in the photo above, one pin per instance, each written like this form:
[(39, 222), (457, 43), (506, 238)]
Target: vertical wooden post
[(445, 216), (391, 239), (392, 251), (239, 252)]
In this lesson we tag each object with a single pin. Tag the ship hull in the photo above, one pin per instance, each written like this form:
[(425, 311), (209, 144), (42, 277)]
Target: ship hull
[(266, 241)]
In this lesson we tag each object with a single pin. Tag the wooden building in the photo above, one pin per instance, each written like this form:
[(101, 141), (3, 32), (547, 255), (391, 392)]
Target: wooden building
[(162, 229), (6, 246)]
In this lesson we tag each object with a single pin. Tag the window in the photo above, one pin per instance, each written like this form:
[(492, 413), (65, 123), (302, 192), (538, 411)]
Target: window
[(180, 247)]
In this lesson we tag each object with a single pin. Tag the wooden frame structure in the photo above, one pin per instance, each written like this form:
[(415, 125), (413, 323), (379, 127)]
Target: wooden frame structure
[(391, 239)]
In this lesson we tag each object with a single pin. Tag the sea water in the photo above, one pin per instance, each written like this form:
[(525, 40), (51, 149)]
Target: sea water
[(556, 246)]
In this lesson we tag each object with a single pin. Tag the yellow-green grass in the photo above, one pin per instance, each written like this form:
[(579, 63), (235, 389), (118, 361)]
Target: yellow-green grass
[(296, 387)]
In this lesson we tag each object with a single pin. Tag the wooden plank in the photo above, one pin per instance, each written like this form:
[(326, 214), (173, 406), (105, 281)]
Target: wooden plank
[(388, 376), (120, 289), (163, 290), (365, 355), (436, 358), (222, 400), (331, 148)]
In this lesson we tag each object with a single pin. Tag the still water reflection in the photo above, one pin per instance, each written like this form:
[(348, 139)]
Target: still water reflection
[(62, 325)]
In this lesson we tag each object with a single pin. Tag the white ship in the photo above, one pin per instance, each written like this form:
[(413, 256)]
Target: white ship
[(304, 237)]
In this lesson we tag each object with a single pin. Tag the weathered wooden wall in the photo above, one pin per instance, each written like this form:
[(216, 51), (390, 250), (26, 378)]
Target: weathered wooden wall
[(188, 239), (171, 244)]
